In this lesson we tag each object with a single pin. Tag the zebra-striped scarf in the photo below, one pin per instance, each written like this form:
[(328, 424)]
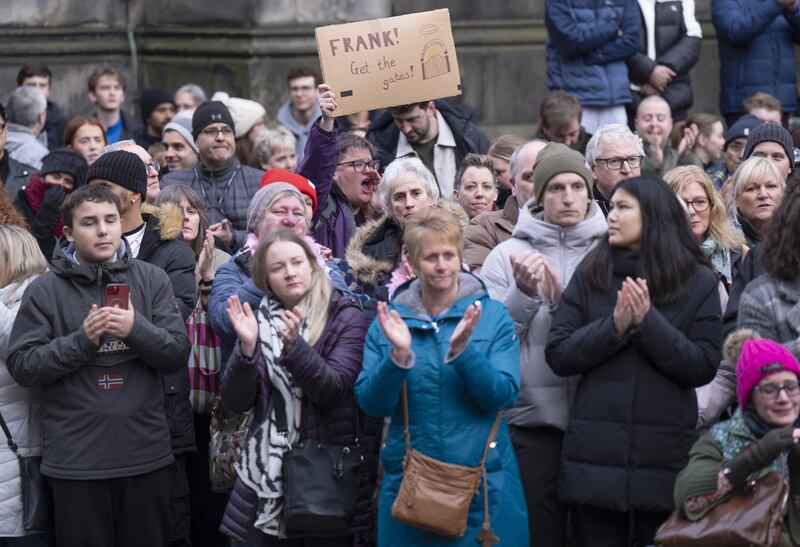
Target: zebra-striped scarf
[(261, 464)]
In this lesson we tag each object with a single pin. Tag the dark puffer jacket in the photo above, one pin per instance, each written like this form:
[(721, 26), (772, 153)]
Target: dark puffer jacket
[(326, 372), (677, 36), (163, 246), (384, 133), (756, 51), (586, 52), (632, 420)]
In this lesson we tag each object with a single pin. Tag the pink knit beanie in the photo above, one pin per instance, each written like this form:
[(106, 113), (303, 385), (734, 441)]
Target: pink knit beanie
[(758, 359)]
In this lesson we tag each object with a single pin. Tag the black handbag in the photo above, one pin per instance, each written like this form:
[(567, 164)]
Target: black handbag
[(320, 483), (37, 500)]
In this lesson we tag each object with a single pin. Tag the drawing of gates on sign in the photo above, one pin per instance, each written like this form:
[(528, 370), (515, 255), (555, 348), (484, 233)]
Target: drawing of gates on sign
[(434, 59)]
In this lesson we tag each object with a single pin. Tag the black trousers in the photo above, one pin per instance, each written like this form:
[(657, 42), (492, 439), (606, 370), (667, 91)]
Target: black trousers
[(124, 512), (207, 507), (593, 527), (539, 456)]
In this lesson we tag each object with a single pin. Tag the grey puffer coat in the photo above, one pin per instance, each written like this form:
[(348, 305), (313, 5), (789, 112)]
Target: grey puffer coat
[(20, 409)]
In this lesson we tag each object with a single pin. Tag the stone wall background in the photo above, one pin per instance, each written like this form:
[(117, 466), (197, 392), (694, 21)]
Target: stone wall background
[(245, 47)]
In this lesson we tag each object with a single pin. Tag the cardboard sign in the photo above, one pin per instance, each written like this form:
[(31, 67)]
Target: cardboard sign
[(391, 61)]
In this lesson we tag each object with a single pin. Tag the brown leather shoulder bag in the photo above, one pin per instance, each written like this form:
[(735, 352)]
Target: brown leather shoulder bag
[(435, 495)]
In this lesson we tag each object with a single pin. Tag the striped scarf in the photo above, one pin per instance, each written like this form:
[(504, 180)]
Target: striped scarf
[(261, 464)]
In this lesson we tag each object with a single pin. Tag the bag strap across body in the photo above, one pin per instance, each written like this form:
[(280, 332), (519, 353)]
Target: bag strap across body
[(486, 536), (11, 442)]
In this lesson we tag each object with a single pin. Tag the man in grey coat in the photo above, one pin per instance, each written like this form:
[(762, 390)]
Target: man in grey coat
[(225, 185), (26, 116), (556, 228)]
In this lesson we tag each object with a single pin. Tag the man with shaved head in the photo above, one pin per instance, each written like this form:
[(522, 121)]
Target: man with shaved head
[(487, 230), (654, 124)]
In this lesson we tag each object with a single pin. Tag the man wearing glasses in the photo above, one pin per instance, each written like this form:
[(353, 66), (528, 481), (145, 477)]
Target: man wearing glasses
[(225, 185), (614, 153), (355, 180)]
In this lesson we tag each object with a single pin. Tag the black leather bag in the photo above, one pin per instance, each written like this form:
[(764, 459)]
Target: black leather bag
[(320, 487), (37, 500), (320, 484)]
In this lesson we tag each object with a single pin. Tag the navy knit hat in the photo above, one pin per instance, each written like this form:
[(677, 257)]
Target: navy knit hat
[(741, 128), (151, 99), (770, 132), (210, 112), (64, 160), (123, 168)]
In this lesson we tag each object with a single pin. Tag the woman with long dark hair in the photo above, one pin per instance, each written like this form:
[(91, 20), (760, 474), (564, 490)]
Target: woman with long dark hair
[(641, 322)]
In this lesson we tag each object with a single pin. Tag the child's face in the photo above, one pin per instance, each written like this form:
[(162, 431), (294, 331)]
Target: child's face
[(96, 231)]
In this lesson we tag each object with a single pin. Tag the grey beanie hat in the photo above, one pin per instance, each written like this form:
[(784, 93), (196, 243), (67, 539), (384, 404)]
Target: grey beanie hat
[(770, 132), (554, 159), (182, 124)]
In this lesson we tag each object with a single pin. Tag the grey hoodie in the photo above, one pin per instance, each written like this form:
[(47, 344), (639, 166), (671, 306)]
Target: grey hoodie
[(544, 398), (301, 132), (102, 406)]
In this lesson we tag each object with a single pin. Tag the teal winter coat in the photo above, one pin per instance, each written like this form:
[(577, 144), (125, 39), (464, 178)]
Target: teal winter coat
[(452, 407)]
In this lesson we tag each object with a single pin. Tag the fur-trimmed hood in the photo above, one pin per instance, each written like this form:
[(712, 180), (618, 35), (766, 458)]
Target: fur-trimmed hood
[(372, 252), (169, 216)]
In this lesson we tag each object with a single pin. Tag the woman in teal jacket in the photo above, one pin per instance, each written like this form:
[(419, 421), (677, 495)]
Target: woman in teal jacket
[(458, 352)]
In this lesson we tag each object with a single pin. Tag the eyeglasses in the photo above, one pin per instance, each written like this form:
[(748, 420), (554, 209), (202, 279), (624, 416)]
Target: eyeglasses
[(771, 390), (615, 164), (154, 165), (212, 132), (699, 205), (361, 166)]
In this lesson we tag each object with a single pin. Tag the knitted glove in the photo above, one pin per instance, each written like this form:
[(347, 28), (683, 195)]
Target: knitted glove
[(758, 455)]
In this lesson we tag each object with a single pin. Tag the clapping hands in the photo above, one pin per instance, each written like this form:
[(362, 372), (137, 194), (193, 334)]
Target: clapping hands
[(633, 304)]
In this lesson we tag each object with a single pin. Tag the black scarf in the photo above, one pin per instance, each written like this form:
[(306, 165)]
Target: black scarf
[(751, 233), (627, 263)]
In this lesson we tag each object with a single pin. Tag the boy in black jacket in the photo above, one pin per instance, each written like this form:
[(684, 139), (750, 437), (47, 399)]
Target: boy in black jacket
[(106, 439)]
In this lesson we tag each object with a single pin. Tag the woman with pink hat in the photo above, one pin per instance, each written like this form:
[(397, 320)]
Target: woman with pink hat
[(761, 436)]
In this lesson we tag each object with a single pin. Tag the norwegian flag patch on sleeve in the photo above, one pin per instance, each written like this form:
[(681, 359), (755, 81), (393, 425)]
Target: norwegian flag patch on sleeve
[(106, 382)]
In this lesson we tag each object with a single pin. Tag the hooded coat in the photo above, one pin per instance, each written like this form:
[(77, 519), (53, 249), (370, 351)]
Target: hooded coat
[(163, 246), (452, 406), (632, 421), (544, 398), (102, 406)]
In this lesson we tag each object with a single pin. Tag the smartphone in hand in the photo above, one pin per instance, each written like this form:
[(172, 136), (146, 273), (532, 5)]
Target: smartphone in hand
[(117, 295)]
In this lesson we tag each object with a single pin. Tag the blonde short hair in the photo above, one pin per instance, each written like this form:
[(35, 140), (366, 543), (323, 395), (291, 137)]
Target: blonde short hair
[(20, 255), (719, 229), (433, 221), (272, 141), (754, 169)]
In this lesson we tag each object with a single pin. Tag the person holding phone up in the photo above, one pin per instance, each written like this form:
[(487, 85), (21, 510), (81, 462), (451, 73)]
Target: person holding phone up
[(106, 440)]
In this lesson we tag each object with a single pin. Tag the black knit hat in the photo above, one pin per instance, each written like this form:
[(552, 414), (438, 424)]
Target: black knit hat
[(770, 132), (123, 168), (64, 160), (210, 112), (151, 99)]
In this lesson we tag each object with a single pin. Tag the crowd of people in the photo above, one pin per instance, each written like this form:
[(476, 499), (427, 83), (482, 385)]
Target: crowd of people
[(208, 318)]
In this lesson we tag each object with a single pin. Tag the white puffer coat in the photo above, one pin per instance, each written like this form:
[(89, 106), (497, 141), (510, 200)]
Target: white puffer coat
[(20, 409)]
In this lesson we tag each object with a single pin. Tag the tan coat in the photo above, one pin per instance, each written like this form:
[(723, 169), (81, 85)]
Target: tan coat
[(486, 231)]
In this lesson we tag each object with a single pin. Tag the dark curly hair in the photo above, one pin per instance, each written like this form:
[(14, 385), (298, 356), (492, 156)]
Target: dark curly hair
[(781, 254)]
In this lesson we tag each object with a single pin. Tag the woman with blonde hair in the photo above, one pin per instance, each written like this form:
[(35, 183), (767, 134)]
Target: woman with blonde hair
[(453, 351), (276, 148), (21, 262), (295, 363), (758, 188), (720, 243)]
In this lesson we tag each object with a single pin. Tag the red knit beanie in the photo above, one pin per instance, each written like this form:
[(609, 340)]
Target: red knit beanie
[(759, 359), (276, 174)]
